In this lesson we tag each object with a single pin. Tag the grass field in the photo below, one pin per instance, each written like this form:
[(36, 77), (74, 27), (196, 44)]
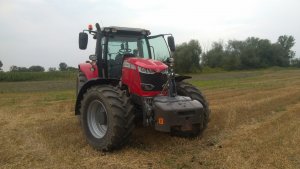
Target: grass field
[(255, 119), (36, 76)]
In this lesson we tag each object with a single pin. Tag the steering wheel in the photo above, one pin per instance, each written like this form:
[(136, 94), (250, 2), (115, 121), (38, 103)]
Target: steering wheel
[(124, 51)]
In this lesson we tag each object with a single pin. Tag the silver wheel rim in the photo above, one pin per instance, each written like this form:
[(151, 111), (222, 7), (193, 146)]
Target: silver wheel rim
[(97, 119)]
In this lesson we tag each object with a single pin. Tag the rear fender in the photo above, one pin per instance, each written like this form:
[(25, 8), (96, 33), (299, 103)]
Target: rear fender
[(90, 71), (90, 83), (179, 78)]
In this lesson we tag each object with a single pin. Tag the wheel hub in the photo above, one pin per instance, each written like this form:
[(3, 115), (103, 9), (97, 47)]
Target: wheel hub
[(97, 119)]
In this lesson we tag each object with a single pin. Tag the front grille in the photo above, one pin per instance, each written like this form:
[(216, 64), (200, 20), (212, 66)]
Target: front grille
[(148, 100), (156, 79)]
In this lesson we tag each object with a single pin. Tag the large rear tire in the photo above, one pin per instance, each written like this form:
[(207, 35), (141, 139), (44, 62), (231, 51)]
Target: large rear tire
[(107, 117), (186, 89)]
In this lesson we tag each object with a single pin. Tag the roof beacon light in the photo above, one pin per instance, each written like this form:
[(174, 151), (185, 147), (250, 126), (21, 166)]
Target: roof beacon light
[(90, 27)]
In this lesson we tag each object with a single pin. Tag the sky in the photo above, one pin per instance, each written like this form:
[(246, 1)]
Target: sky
[(45, 32)]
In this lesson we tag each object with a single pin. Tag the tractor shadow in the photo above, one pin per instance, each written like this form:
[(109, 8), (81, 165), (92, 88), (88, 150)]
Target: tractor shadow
[(148, 139)]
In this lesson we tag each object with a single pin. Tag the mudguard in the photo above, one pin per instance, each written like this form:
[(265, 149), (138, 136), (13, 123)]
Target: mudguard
[(90, 83), (179, 78), (90, 71)]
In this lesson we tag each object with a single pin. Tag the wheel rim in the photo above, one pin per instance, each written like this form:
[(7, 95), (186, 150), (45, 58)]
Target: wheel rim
[(97, 119)]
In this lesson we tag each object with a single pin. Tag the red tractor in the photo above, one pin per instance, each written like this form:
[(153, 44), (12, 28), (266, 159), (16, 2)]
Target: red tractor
[(131, 79)]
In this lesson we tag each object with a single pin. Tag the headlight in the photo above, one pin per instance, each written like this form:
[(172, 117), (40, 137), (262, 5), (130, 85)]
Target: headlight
[(145, 70), (128, 65)]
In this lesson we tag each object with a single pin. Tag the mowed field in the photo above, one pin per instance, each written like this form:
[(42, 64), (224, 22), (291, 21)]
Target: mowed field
[(254, 123)]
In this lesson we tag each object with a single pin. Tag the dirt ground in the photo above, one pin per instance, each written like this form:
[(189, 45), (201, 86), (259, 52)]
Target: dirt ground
[(255, 119)]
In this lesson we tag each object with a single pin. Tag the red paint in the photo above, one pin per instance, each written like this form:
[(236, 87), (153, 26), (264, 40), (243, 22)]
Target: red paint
[(131, 78), (90, 27), (87, 68), (148, 63)]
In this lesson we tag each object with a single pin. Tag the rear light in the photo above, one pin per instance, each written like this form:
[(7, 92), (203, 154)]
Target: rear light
[(161, 121)]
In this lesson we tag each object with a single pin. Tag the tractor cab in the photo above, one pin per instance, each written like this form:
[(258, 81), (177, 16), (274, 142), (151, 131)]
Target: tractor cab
[(114, 44), (119, 46)]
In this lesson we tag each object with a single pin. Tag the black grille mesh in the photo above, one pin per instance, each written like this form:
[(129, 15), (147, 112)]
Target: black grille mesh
[(156, 79)]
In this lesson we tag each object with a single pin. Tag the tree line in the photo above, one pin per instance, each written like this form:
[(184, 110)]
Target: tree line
[(36, 68), (251, 53)]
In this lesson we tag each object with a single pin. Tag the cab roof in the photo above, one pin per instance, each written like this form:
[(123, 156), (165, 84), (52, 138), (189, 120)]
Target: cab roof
[(126, 30)]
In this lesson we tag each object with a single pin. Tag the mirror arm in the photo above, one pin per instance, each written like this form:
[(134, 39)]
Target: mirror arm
[(85, 30)]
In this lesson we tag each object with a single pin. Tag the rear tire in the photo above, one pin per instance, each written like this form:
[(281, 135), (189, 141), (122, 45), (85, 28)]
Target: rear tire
[(109, 130), (186, 89)]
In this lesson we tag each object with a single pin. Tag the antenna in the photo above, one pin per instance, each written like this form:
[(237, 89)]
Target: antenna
[(98, 27)]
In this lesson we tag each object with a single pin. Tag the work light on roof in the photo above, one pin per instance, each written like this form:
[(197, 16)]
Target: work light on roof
[(90, 27)]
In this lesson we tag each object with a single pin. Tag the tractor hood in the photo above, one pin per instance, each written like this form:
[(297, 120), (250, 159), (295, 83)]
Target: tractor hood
[(155, 65)]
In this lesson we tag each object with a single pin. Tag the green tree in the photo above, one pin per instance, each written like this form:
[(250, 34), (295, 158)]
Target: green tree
[(233, 51), (249, 57), (187, 57), (1, 64), (214, 57), (13, 68), (71, 69), (36, 69), (250, 54), (63, 66), (295, 62), (23, 69), (51, 69), (286, 42)]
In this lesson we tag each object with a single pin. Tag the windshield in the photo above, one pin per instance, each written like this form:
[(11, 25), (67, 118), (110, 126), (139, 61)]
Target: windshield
[(159, 48), (120, 45)]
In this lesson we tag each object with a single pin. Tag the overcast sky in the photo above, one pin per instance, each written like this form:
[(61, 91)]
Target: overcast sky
[(45, 32)]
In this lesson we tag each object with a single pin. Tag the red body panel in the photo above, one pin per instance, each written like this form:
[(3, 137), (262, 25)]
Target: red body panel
[(155, 65), (90, 71), (130, 73), (131, 77)]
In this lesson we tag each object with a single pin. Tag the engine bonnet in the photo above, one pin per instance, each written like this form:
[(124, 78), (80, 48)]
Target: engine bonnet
[(155, 65)]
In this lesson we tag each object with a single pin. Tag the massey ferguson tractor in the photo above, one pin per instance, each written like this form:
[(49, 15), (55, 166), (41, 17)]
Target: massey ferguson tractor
[(131, 80)]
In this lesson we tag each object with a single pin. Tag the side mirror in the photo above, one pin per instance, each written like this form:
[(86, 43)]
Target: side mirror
[(83, 40), (171, 43)]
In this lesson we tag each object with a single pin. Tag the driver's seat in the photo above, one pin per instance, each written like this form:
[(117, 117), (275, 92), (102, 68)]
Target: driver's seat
[(115, 68)]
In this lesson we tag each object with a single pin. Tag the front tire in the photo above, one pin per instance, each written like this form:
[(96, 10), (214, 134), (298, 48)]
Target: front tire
[(107, 117), (186, 89)]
